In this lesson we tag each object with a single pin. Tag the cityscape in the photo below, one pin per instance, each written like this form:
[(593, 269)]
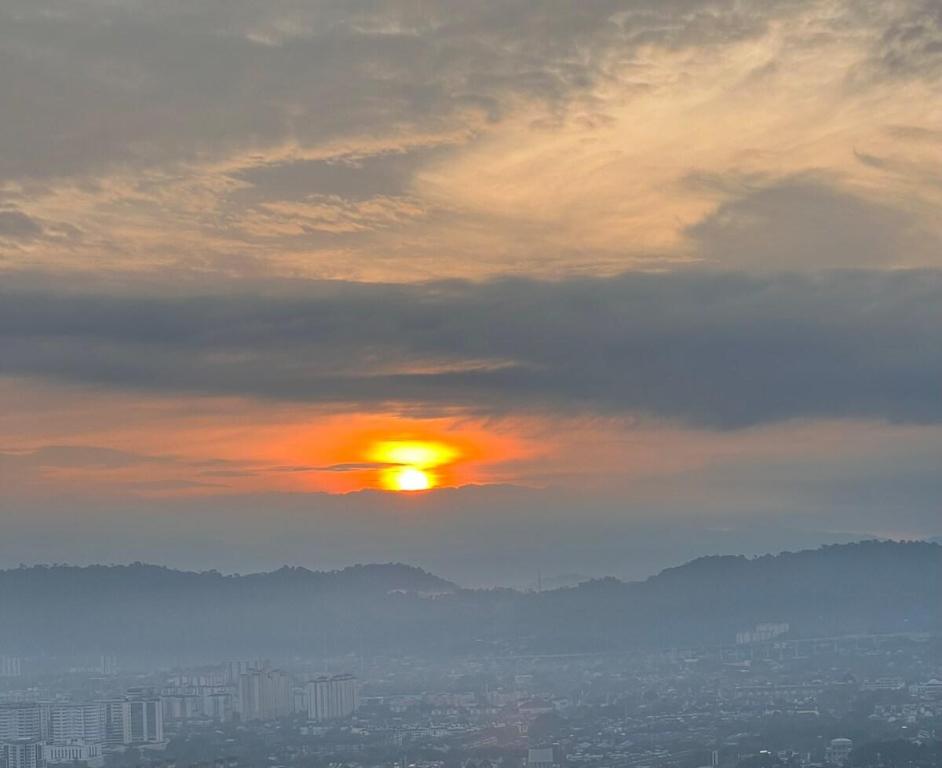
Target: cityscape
[(774, 695)]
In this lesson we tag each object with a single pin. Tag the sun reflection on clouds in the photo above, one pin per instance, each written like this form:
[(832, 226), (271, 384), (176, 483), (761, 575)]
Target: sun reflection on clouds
[(418, 453)]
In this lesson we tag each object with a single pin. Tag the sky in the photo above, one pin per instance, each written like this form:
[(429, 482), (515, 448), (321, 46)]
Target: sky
[(497, 289)]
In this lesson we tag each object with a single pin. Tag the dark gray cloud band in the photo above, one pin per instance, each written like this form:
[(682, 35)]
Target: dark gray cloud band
[(717, 350)]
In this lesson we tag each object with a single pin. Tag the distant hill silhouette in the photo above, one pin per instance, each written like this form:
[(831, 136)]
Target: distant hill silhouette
[(141, 611)]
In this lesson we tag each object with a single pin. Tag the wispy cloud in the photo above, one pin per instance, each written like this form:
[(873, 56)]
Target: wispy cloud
[(366, 142)]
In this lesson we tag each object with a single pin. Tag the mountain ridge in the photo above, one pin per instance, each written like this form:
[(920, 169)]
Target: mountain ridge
[(396, 576), (861, 588)]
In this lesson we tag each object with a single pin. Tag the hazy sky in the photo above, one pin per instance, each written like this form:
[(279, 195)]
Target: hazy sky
[(666, 275)]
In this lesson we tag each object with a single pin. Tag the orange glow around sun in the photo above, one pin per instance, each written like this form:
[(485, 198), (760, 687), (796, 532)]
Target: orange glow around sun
[(410, 465), (313, 452)]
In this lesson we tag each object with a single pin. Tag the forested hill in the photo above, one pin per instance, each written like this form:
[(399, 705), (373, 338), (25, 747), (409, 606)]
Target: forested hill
[(143, 610), (96, 583)]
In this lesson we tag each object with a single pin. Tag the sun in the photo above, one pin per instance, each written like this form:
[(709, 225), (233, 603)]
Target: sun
[(410, 464), (409, 479)]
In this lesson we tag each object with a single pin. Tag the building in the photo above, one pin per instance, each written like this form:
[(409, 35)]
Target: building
[(108, 665), (762, 633), (299, 695), (22, 721), (79, 722), (542, 757), (233, 670), (68, 729), (10, 666), (217, 706), (931, 690), (114, 721), (198, 703), (883, 684), (182, 706), (265, 694), (135, 719), (143, 721), (80, 752), (838, 751), (22, 753), (332, 698)]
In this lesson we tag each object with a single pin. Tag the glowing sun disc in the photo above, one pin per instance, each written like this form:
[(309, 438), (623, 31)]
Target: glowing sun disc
[(410, 479)]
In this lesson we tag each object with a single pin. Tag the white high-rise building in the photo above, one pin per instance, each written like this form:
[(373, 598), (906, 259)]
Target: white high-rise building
[(143, 721), (22, 721), (135, 719), (114, 721), (22, 753), (78, 722), (332, 698), (265, 694)]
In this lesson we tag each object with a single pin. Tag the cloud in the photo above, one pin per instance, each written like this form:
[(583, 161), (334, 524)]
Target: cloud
[(803, 223), (19, 226), (94, 470), (99, 85), (96, 85), (391, 141), (911, 46), (77, 457), (348, 467), (716, 350), (386, 174)]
